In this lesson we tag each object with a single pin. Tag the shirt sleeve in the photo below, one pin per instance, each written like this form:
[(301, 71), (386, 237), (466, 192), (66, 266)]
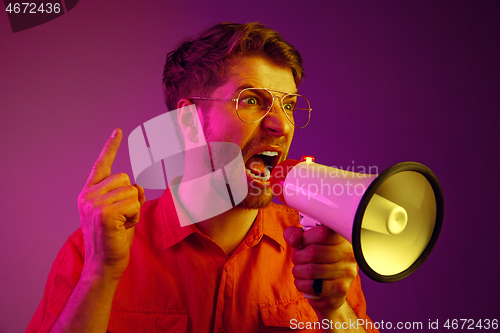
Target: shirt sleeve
[(356, 300), (63, 277)]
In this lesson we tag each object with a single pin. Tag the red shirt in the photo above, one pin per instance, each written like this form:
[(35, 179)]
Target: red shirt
[(178, 279)]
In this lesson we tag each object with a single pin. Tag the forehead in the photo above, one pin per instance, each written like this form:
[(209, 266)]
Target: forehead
[(258, 72)]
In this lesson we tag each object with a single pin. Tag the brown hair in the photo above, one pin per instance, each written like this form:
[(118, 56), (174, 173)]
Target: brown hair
[(197, 65)]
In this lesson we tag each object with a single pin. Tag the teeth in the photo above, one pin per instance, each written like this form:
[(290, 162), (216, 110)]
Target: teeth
[(269, 153), (265, 178)]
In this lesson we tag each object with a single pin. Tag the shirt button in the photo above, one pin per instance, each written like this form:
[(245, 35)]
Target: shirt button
[(221, 330)]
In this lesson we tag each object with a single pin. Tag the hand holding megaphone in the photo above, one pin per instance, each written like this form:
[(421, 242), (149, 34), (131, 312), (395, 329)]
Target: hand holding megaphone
[(324, 267), (392, 219)]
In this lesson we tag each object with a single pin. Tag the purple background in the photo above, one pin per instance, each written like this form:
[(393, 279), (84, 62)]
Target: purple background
[(389, 81)]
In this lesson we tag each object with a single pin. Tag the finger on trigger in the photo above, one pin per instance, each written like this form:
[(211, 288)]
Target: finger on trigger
[(102, 167), (321, 235), (293, 236)]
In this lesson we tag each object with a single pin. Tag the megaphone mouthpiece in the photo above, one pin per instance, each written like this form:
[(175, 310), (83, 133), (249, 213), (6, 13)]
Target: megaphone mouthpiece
[(382, 215)]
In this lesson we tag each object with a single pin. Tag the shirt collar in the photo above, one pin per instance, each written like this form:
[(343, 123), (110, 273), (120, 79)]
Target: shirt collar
[(173, 214), (264, 225)]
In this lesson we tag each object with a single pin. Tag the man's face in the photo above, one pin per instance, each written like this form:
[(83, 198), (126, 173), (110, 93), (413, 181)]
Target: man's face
[(264, 143)]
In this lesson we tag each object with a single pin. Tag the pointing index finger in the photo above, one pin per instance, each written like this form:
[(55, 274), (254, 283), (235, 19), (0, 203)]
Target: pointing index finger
[(102, 167)]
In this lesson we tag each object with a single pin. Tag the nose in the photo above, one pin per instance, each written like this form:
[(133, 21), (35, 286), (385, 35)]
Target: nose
[(276, 121)]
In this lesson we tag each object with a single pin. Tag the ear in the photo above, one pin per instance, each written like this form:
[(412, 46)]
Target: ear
[(187, 118)]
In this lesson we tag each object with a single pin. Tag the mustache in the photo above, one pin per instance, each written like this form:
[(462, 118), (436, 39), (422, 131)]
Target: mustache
[(265, 141)]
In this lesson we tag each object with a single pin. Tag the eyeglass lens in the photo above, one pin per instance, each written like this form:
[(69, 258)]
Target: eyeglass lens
[(254, 103)]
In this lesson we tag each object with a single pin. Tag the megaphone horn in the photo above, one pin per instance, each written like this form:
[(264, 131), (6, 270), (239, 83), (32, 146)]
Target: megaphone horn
[(392, 219)]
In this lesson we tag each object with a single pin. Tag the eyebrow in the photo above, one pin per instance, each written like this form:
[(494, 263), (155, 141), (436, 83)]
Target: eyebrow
[(246, 85)]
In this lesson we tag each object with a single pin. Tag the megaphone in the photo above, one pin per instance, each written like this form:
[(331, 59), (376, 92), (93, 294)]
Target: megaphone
[(392, 219)]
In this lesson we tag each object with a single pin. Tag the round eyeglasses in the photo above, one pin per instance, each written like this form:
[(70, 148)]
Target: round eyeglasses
[(253, 104)]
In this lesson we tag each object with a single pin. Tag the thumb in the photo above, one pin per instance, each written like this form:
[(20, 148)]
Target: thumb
[(293, 236)]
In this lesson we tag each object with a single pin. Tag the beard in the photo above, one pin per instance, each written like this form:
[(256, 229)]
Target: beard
[(256, 197)]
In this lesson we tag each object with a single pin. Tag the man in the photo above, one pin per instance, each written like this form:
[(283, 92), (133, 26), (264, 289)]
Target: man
[(241, 271)]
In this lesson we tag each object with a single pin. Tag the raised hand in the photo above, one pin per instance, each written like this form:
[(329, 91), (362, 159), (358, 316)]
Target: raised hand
[(109, 209)]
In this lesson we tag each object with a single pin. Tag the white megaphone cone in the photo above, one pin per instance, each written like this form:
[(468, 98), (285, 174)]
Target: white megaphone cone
[(392, 219)]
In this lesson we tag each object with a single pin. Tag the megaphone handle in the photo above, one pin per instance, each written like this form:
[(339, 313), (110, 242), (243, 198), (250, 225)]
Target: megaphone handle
[(308, 223)]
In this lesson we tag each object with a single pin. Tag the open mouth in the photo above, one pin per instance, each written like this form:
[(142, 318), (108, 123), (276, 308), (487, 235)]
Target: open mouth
[(260, 165)]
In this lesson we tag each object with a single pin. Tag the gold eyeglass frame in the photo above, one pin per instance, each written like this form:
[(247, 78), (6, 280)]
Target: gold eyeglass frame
[(270, 91)]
